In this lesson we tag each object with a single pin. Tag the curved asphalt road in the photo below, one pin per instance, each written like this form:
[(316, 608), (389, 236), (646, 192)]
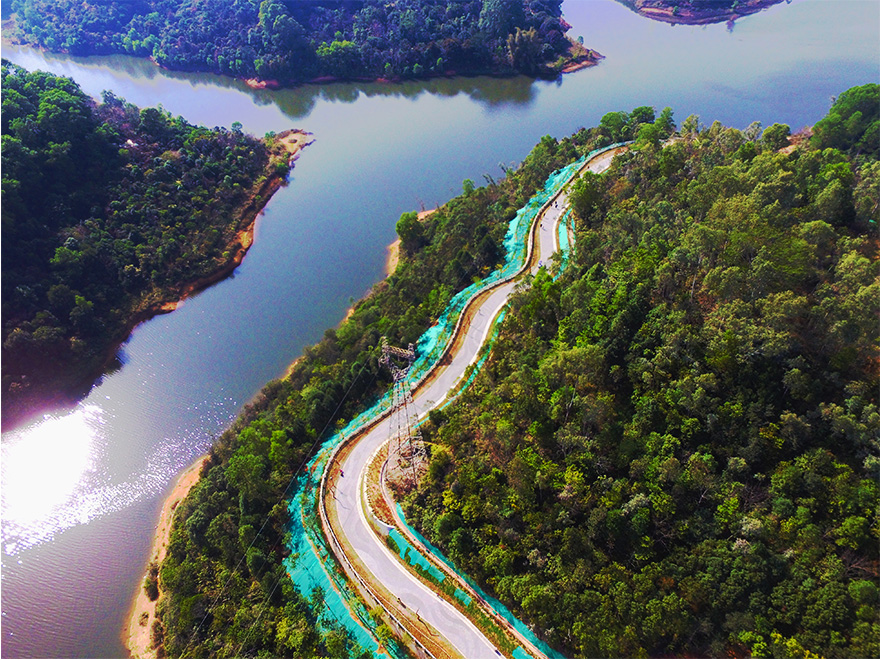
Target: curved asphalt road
[(371, 550)]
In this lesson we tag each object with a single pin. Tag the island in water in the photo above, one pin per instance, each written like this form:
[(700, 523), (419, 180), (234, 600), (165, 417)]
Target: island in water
[(698, 12), (274, 43), (111, 215)]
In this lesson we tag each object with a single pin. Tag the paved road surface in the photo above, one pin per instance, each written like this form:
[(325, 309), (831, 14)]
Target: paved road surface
[(372, 551)]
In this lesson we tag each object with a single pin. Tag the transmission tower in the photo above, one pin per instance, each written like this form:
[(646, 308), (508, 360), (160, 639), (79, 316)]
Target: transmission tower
[(407, 450)]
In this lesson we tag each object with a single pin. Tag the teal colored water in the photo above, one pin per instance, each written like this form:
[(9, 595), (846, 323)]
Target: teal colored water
[(83, 488)]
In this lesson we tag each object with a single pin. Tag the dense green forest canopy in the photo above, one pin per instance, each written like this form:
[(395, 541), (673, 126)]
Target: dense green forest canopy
[(674, 448), (294, 41), (107, 210), (853, 123)]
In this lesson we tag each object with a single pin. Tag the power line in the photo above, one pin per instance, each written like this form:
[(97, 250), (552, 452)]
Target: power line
[(283, 497)]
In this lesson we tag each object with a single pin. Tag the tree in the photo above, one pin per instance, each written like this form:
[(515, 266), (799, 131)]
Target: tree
[(339, 58), (498, 18), (642, 115), (585, 196), (853, 123), (614, 123), (665, 124), (524, 50), (775, 136), (410, 231)]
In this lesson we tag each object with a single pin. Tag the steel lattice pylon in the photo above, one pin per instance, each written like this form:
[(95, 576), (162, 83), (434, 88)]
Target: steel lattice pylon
[(406, 448)]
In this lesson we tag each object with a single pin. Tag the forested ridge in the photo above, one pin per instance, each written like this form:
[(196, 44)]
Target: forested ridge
[(674, 448), (224, 588), (108, 212), (291, 41)]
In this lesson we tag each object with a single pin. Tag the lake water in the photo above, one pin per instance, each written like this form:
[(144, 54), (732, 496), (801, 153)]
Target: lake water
[(82, 487)]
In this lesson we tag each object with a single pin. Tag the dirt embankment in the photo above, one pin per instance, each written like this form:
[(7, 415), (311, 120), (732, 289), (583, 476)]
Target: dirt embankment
[(580, 57)]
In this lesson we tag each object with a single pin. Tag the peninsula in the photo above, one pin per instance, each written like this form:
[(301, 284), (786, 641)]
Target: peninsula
[(112, 214), (668, 442)]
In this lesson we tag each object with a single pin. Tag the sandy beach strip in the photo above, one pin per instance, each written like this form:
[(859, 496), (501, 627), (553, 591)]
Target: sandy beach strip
[(136, 634)]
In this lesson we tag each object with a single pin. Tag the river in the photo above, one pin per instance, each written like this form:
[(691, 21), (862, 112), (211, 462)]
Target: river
[(82, 487)]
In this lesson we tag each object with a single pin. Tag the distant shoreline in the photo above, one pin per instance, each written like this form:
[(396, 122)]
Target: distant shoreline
[(584, 59), (670, 12), (579, 57)]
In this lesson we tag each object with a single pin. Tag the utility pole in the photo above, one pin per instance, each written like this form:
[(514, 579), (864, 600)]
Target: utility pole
[(406, 445)]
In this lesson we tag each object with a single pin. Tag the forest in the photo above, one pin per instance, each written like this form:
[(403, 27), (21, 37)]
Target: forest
[(108, 211), (672, 449), (288, 42)]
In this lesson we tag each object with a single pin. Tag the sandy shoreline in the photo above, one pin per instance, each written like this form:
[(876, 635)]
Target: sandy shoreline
[(393, 257), (136, 634)]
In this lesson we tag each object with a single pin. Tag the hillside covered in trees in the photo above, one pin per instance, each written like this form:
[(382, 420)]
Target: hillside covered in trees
[(235, 522), (671, 450), (674, 448), (291, 41), (108, 212)]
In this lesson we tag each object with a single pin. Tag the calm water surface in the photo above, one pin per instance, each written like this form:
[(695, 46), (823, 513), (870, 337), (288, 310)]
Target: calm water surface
[(81, 487)]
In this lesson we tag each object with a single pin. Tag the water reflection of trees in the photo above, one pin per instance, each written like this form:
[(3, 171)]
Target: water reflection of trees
[(494, 92), (690, 12)]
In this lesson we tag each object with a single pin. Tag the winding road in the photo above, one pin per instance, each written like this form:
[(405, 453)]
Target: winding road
[(425, 615)]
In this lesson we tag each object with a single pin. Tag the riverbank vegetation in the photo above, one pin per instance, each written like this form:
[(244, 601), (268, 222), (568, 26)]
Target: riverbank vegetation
[(109, 211), (224, 591), (673, 448), (292, 42)]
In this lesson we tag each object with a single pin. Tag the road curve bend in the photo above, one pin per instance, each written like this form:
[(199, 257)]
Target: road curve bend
[(357, 546)]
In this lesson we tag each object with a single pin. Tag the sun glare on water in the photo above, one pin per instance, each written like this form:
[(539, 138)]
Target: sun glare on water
[(43, 467)]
